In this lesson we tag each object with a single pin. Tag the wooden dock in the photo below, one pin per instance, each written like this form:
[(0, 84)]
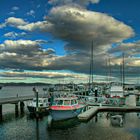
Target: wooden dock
[(87, 115), (129, 107), (12, 100), (19, 100)]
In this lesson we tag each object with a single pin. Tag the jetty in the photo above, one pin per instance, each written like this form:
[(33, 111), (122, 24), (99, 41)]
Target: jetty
[(18, 101), (130, 106)]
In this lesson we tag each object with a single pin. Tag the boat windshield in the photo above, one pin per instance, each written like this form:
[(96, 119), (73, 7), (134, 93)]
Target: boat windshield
[(66, 102), (58, 102), (73, 102)]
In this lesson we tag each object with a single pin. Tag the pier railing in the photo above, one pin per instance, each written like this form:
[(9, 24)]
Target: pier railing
[(102, 100)]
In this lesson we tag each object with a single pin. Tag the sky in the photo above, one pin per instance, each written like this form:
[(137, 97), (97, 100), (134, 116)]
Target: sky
[(50, 41)]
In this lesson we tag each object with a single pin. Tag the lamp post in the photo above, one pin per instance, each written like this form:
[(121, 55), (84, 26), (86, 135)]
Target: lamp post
[(36, 95)]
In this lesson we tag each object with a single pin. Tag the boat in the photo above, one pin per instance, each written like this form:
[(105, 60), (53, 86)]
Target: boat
[(43, 105), (65, 108), (117, 95), (116, 91), (117, 120)]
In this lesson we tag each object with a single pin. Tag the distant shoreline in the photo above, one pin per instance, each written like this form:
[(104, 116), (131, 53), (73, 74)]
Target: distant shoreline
[(24, 84)]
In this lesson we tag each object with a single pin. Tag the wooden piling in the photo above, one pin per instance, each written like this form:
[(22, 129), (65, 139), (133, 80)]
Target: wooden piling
[(21, 107), (0, 112), (16, 109)]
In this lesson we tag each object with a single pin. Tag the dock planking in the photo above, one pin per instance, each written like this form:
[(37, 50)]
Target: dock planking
[(11, 100), (14, 100), (87, 115)]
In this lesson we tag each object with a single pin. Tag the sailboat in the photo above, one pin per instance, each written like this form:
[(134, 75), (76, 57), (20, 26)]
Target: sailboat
[(117, 91)]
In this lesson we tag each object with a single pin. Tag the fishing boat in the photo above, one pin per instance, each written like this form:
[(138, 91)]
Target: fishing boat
[(43, 105), (65, 108)]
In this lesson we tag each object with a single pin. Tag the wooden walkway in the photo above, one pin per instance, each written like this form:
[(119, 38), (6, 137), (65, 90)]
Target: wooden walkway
[(14, 100), (11, 100), (129, 107)]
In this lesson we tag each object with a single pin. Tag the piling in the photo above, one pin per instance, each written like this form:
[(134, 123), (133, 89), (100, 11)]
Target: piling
[(16, 109), (21, 107), (0, 112)]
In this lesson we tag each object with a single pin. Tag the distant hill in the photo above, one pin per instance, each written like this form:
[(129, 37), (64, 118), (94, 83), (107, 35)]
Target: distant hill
[(24, 84)]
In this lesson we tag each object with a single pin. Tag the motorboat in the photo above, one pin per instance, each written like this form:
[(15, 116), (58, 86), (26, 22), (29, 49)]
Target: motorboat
[(65, 108), (43, 105)]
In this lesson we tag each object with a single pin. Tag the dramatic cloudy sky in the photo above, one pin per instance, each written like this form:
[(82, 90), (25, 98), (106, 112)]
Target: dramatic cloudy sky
[(50, 40)]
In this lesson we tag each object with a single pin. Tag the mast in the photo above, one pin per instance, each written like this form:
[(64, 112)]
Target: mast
[(123, 73), (91, 69), (109, 70)]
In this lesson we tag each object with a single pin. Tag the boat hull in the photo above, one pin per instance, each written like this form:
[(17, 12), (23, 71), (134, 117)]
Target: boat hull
[(32, 110), (65, 114)]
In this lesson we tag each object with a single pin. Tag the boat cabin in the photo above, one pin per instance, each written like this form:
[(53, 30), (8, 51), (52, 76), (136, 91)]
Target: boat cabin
[(65, 101), (41, 101), (116, 91)]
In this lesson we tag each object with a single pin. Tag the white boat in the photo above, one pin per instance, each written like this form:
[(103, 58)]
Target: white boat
[(117, 120), (116, 91), (65, 108), (117, 95), (43, 105)]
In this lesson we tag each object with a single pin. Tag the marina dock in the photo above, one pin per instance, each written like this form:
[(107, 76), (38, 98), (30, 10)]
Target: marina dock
[(14, 100), (129, 107)]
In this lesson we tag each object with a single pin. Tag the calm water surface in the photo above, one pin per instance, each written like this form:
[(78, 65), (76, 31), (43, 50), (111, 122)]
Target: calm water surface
[(26, 128)]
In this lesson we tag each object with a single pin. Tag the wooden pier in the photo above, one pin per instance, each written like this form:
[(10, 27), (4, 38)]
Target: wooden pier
[(129, 107), (14, 100)]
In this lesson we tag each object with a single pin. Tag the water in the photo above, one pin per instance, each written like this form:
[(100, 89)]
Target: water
[(26, 128)]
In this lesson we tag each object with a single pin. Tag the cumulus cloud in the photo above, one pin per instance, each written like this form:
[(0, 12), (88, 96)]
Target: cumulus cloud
[(25, 54), (78, 27), (66, 2), (130, 49), (13, 35), (131, 53), (15, 22), (35, 26)]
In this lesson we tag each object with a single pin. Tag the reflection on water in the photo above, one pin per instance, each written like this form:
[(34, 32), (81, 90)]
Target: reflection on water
[(63, 125), (27, 128), (37, 128)]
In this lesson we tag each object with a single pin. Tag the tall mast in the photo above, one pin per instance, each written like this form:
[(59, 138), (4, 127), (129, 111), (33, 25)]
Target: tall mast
[(123, 72), (91, 68), (109, 70), (92, 64)]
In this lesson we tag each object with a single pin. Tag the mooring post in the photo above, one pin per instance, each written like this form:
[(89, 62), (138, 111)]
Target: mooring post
[(16, 109), (0, 112), (36, 94), (37, 109)]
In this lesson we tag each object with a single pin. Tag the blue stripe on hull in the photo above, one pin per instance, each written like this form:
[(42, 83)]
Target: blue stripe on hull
[(64, 114)]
